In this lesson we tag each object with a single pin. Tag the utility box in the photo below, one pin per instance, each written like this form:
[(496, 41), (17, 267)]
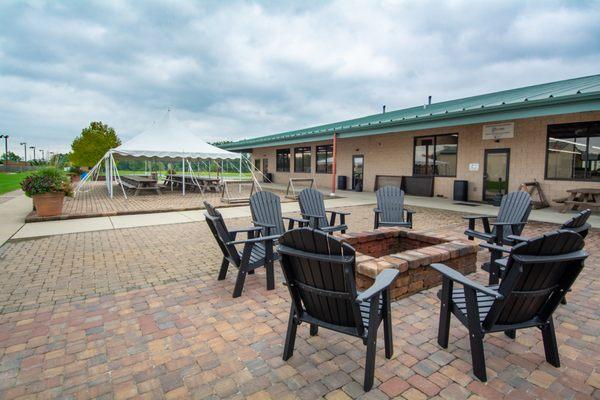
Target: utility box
[(461, 190)]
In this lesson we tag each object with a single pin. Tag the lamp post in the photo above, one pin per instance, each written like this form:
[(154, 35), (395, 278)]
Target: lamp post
[(33, 147), (5, 137), (24, 149), (42, 155), (50, 155)]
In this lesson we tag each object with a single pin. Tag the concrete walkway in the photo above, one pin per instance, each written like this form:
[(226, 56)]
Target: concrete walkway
[(347, 199), (14, 207)]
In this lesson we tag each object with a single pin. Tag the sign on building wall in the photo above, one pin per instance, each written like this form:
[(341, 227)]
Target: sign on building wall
[(504, 130)]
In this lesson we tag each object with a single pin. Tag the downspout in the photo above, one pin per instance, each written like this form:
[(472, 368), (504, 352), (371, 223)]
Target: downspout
[(334, 164)]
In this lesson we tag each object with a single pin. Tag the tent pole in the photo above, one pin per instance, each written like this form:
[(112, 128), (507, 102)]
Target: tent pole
[(183, 175), (118, 176), (88, 176), (240, 171)]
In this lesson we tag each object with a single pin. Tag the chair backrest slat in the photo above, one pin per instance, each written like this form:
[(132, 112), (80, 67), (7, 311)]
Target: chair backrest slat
[(534, 288), (325, 289), (579, 223), (390, 200), (217, 226), (514, 207), (266, 208), (312, 202)]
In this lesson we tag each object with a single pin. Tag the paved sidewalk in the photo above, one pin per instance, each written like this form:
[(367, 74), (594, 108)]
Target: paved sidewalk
[(49, 228), (14, 207)]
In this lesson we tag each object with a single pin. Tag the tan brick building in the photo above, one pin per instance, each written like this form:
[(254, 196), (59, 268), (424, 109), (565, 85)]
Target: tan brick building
[(549, 133)]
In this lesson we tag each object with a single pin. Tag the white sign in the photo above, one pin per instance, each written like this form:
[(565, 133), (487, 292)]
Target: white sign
[(474, 167), (499, 131)]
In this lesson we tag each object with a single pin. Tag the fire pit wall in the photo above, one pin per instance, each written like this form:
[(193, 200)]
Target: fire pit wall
[(410, 252)]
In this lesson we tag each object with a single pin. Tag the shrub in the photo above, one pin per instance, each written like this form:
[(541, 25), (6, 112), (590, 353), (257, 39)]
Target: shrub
[(47, 180)]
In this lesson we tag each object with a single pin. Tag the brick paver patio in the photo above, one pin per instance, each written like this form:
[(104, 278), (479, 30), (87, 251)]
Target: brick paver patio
[(138, 313)]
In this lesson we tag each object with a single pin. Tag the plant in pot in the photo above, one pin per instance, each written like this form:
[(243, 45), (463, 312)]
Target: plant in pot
[(75, 173), (48, 188)]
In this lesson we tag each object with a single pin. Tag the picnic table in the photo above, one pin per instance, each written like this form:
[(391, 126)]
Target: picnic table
[(140, 183), (201, 182), (584, 198)]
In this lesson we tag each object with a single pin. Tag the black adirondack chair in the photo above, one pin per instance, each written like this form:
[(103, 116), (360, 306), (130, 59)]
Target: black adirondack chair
[(319, 273), (266, 213), (312, 208), (540, 271), (390, 209), (257, 250), (579, 223), (515, 208)]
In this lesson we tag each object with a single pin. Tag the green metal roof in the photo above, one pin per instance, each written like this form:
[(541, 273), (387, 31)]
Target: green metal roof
[(571, 95)]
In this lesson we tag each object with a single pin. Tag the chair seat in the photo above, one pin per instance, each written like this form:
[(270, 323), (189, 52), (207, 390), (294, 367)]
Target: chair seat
[(484, 302), (400, 224), (258, 253)]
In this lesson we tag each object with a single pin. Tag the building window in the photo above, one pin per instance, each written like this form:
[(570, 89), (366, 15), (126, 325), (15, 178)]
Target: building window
[(257, 164), (435, 155), (302, 159), (324, 159), (573, 151), (283, 160)]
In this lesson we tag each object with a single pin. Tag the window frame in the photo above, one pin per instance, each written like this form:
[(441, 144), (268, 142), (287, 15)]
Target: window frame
[(278, 167), (328, 166), (434, 137), (303, 150), (587, 144)]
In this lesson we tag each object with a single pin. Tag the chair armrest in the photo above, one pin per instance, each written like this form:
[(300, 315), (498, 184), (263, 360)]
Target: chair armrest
[(262, 224), (382, 282), (410, 211), (517, 238), (253, 228), (495, 247), (377, 211), (457, 277), (255, 240), (338, 212), (302, 220)]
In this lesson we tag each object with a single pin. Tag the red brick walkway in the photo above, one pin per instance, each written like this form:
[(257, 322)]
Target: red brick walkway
[(183, 336)]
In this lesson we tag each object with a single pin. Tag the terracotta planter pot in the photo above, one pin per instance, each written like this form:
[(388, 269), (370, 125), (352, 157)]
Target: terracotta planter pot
[(75, 178), (48, 204)]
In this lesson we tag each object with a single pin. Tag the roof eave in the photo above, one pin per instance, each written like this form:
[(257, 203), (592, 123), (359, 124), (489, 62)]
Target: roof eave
[(548, 106)]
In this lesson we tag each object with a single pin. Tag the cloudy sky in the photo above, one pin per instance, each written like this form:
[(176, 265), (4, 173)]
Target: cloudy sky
[(237, 69)]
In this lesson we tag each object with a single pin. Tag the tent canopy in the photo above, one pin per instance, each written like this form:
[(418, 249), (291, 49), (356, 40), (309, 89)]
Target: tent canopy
[(169, 138)]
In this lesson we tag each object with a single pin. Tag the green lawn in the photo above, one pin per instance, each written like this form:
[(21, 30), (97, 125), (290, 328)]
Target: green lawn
[(11, 181)]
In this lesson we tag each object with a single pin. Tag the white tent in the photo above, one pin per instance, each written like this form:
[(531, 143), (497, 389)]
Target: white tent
[(166, 140)]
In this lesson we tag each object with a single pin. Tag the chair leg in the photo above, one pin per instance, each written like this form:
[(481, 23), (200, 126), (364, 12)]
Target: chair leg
[(314, 329), (239, 283), (475, 334), (511, 333), (445, 313), (370, 360), (550, 346), (223, 270), (290, 337), (251, 272), (563, 300), (376, 222), (387, 326), (270, 275)]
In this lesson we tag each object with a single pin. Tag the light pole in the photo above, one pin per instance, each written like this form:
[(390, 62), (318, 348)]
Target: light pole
[(5, 137), (33, 147), (50, 155), (24, 149), (42, 155)]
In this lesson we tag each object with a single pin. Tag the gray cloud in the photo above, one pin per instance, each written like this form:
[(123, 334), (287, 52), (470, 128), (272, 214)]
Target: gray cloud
[(237, 69)]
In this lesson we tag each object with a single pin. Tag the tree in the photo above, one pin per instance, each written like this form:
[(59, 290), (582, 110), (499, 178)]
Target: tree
[(95, 140), (11, 157)]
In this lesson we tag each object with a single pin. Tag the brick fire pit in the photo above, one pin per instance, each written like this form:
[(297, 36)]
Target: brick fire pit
[(410, 252)]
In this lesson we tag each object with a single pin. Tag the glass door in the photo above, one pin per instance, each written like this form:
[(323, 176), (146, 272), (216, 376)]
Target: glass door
[(358, 162), (495, 173)]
